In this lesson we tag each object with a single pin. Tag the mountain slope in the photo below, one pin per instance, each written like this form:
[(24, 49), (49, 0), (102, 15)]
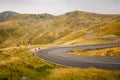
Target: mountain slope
[(75, 27), (6, 15)]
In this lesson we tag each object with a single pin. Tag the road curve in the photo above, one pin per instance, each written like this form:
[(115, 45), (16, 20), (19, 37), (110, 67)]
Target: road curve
[(59, 56)]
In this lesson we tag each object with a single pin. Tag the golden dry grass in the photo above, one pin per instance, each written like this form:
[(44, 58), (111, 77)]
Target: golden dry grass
[(113, 52), (82, 74)]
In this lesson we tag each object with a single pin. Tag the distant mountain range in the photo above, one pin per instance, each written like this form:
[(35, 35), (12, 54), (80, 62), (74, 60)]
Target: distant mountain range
[(75, 27)]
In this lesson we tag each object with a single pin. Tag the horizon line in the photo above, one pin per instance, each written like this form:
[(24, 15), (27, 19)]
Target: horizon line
[(61, 13)]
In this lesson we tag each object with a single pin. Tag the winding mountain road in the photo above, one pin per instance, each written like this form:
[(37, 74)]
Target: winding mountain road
[(60, 56)]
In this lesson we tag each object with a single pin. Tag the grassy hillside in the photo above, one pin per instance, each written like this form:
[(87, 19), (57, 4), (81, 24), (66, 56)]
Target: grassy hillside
[(19, 63), (71, 28)]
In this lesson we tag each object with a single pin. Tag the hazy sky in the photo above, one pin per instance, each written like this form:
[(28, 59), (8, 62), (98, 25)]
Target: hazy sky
[(57, 7)]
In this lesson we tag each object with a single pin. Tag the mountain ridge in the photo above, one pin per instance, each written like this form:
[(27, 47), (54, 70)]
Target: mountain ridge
[(12, 14)]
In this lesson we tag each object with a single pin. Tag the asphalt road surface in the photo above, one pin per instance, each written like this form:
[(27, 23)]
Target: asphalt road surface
[(60, 56)]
